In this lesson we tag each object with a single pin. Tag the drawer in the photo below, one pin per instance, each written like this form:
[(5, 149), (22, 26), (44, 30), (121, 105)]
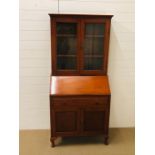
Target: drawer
[(80, 101)]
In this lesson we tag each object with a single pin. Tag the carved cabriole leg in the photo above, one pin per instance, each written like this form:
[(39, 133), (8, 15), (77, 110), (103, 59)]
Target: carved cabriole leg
[(53, 141)]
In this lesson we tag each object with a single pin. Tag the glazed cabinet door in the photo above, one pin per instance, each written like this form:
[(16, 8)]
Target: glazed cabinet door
[(65, 121), (65, 46), (93, 121), (93, 46)]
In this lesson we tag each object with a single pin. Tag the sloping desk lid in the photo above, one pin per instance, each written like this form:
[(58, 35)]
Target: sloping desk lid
[(79, 85)]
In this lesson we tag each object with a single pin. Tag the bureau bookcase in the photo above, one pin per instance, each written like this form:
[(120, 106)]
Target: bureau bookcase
[(79, 87)]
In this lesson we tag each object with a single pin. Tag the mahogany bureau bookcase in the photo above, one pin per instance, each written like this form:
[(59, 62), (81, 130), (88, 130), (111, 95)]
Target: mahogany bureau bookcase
[(79, 87)]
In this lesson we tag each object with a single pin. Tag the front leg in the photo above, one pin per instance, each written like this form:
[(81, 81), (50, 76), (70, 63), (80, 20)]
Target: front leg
[(106, 140), (53, 141)]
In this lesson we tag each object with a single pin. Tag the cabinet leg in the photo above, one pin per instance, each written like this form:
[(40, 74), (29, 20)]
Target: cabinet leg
[(106, 140), (53, 141)]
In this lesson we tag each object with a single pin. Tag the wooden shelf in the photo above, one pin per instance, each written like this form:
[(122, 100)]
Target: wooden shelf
[(89, 56), (74, 35), (94, 56), (96, 36), (66, 35), (65, 55)]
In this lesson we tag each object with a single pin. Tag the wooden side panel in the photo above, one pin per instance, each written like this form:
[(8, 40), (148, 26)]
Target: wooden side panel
[(106, 45)]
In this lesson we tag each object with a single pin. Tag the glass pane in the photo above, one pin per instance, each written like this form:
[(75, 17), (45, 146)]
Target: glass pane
[(92, 63), (94, 29), (93, 46), (66, 62), (66, 28), (66, 45)]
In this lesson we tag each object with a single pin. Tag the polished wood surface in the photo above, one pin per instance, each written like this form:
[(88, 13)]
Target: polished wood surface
[(79, 85)]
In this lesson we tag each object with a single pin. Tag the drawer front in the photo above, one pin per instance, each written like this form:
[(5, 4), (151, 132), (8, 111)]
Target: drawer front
[(80, 101)]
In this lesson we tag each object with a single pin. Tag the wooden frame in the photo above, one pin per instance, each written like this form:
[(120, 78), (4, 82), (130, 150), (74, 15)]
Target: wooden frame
[(90, 72), (80, 20), (54, 49), (75, 100)]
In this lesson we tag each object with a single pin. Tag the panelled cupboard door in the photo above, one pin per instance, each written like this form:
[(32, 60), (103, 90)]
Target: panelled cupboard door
[(74, 122), (93, 120), (66, 121), (65, 38)]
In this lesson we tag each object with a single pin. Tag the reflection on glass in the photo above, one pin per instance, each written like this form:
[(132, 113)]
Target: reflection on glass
[(66, 46), (66, 63), (94, 29), (93, 63), (93, 46), (66, 28)]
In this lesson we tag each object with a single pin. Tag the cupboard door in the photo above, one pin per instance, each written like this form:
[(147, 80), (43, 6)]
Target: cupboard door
[(66, 121), (93, 38), (93, 120), (67, 43)]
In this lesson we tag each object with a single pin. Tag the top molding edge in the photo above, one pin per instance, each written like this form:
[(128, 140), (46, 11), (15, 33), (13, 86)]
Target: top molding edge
[(89, 15)]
